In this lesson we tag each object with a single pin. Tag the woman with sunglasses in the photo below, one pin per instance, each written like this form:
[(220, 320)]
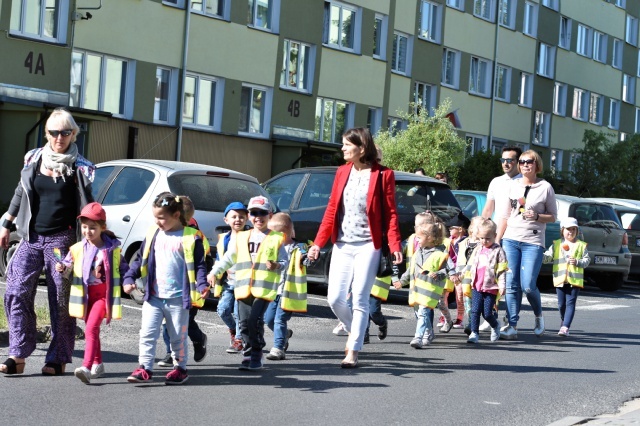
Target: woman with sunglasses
[(361, 207), (55, 184), (532, 204)]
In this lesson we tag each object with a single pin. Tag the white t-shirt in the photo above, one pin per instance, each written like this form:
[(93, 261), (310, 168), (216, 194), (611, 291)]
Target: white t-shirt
[(499, 192), (170, 266)]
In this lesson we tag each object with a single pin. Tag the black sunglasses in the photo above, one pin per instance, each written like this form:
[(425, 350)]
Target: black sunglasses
[(258, 212), (507, 160), (56, 133), (521, 162)]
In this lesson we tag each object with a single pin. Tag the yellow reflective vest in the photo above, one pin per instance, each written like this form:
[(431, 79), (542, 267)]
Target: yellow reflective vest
[(424, 290), (79, 297), (188, 245), (253, 278), (217, 289), (562, 271), (380, 289), (294, 293)]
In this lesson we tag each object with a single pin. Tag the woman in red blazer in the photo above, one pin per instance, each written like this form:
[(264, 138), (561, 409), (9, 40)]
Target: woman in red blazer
[(361, 205)]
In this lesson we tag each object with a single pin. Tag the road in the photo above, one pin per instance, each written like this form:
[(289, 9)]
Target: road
[(526, 382)]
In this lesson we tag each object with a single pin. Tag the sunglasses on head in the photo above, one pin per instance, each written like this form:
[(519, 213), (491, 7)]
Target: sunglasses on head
[(507, 160), (258, 212), (521, 162), (56, 133)]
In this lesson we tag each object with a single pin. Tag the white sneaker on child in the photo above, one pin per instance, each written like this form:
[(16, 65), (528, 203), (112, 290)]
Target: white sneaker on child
[(83, 374), (97, 370), (416, 342), (473, 337), (495, 333), (340, 330)]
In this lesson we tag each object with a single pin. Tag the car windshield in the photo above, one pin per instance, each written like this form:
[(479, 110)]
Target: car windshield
[(213, 193), (416, 197), (596, 216)]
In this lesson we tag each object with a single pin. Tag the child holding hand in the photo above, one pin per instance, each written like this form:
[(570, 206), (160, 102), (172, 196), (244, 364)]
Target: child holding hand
[(97, 264)]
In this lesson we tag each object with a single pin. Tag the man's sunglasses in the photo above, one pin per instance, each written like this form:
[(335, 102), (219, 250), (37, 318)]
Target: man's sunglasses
[(507, 160), (521, 162), (56, 133), (258, 212)]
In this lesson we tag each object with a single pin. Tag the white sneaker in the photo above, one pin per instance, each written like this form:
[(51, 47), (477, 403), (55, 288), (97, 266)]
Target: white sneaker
[(428, 338), (485, 326), (508, 333), (83, 374), (473, 337), (97, 370), (340, 330), (416, 342), (539, 328), (495, 333), (446, 327), (276, 354)]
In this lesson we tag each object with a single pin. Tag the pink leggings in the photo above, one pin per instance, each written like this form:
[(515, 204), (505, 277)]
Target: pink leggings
[(460, 301), (97, 311)]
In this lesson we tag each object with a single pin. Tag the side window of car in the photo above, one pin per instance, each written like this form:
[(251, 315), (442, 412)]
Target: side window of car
[(99, 179), (284, 189), (317, 191), (129, 186)]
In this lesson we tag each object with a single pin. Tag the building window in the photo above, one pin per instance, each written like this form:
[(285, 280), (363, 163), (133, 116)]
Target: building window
[(580, 104), (556, 160), (616, 58), (480, 77), (44, 20), (395, 124), (456, 4), (599, 46), (546, 60), (560, 99), (297, 66), (451, 68), (476, 143), (341, 26), (430, 19), (424, 96), (526, 89), (99, 82), (217, 8), (530, 25), (541, 128), (507, 13), (380, 36), (637, 130), (264, 14), (401, 59), (483, 9), (621, 3), (332, 119), (164, 110), (631, 31), (623, 136), (614, 114), (374, 120), (255, 110), (628, 88), (503, 83), (595, 109), (202, 100), (573, 159), (497, 145), (565, 33), (176, 3), (551, 4), (585, 36), (638, 71)]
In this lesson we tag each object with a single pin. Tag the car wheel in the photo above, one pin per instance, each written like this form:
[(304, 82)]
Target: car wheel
[(5, 254), (610, 282)]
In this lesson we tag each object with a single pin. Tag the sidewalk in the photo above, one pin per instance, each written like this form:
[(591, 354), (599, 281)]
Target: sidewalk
[(629, 414)]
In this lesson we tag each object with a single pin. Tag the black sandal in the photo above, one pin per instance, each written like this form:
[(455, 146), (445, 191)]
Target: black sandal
[(57, 368), (13, 367)]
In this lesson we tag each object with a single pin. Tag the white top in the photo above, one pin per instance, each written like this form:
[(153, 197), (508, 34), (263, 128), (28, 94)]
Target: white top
[(354, 223), (498, 191)]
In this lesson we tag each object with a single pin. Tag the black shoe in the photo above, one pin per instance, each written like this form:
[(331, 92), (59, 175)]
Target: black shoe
[(200, 349), (167, 361), (366, 339), (382, 331)]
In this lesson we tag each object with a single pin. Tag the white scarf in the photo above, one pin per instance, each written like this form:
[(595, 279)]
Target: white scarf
[(60, 163)]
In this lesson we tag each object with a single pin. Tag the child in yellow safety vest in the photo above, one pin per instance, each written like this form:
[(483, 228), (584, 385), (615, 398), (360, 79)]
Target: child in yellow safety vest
[(465, 248), (258, 255), (569, 257), (97, 265), (428, 269), (292, 290), (486, 271)]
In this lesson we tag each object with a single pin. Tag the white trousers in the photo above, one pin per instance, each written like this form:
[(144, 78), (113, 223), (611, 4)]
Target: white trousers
[(353, 265)]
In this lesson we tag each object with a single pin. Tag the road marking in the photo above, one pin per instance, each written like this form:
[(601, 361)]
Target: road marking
[(492, 402), (601, 307)]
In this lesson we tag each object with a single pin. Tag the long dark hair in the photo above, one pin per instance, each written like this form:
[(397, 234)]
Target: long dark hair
[(361, 136), (171, 203)]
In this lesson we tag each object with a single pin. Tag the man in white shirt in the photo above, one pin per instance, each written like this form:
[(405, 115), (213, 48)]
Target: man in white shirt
[(498, 193)]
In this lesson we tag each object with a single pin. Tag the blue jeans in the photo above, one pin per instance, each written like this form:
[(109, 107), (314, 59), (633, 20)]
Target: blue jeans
[(228, 308), (425, 318), (482, 303), (524, 262), (375, 313), (567, 297), (276, 319)]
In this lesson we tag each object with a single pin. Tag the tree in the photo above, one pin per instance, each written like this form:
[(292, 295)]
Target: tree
[(589, 169), (478, 170), (430, 142)]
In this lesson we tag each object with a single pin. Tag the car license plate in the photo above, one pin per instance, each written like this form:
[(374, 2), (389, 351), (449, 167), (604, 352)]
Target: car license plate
[(607, 260)]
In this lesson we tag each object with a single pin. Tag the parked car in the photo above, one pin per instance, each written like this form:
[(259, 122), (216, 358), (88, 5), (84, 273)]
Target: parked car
[(600, 228), (629, 213), (304, 194)]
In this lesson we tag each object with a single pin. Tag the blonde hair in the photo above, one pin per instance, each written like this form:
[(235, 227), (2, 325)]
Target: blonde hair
[(65, 118), (473, 225), (435, 230), (488, 225), (187, 207), (425, 217), (536, 156), (281, 222)]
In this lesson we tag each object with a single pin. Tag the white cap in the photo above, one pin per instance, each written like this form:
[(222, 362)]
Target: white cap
[(259, 202), (569, 222)]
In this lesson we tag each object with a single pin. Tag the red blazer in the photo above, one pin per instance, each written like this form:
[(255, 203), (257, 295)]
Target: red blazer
[(376, 214)]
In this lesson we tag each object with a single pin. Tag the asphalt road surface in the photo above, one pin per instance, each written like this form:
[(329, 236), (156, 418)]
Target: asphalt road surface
[(531, 381)]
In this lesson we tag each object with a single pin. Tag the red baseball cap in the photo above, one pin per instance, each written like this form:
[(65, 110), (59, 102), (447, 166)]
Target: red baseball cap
[(93, 211)]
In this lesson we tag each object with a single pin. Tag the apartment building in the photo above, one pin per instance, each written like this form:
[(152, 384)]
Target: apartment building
[(262, 86)]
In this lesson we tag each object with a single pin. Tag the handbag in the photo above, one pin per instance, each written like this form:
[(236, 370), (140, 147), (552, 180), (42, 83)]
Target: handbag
[(385, 267)]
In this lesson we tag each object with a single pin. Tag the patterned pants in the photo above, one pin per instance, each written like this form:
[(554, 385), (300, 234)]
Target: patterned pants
[(23, 272)]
